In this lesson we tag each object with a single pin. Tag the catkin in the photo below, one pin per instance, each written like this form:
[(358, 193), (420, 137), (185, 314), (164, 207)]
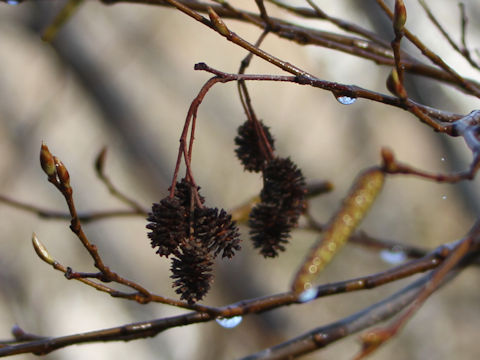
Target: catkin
[(354, 208)]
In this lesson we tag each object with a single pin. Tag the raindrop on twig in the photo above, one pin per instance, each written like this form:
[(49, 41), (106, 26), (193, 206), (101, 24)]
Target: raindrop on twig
[(308, 295), (393, 256), (229, 323), (345, 100)]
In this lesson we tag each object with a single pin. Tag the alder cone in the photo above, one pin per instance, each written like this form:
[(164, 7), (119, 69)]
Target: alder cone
[(194, 235), (217, 231), (191, 271), (168, 221), (282, 203), (269, 229), (249, 149)]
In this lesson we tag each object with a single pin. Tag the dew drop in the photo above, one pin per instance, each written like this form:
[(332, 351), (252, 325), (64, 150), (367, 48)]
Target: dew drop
[(229, 323), (308, 295), (346, 100), (444, 197), (393, 256), (443, 159)]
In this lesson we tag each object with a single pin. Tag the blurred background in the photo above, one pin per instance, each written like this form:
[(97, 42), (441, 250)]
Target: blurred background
[(122, 76)]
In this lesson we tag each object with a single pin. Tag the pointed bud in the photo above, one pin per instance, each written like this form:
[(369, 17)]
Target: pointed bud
[(100, 160), (395, 86), (218, 23), (62, 172), (399, 16), (41, 250), (388, 159), (46, 161)]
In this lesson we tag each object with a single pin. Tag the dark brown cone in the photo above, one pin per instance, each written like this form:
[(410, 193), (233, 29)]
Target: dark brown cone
[(168, 225), (194, 239), (269, 229), (183, 191), (282, 203), (217, 231), (191, 271), (283, 185), (249, 149)]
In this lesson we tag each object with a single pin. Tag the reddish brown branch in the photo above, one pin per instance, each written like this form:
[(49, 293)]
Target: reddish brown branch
[(342, 328), (371, 49)]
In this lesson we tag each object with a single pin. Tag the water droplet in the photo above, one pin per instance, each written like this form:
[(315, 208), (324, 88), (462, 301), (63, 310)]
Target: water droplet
[(443, 159), (361, 43), (229, 323), (346, 100), (444, 197), (393, 256), (308, 295)]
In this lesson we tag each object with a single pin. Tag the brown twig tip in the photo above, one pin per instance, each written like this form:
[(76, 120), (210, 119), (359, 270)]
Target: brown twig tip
[(41, 250), (17, 332), (318, 188), (46, 160), (399, 16), (217, 22), (100, 161), (371, 340), (200, 66), (388, 159)]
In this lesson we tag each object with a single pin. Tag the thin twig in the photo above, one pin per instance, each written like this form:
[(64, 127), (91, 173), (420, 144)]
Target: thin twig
[(100, 171), (464, 20), (434, 58), (306, 36)]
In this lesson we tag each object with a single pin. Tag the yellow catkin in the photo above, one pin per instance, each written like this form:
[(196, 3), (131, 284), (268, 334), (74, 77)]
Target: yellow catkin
[(354, 208)]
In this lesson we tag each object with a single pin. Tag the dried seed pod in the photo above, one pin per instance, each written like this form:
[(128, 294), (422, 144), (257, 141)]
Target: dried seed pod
[(183, 191), (194, 235), (284, 186), (168, 225), (226, 235), (269, 229), (217, 231), (251, 150), (282, 203), (354, 208), (191, 271)]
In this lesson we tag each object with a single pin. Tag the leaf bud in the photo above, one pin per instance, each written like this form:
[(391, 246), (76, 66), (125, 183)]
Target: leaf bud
[(399, 16), (62, 172), (46, 160), (395, 86), (217, 22), (100, 160), (41, 250)]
